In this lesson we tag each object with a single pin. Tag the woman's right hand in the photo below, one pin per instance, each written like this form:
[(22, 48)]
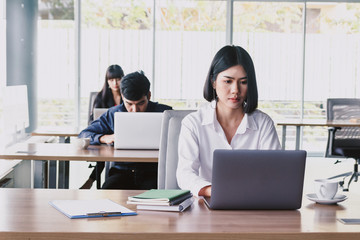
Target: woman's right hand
[(205, 191), (108, 139)]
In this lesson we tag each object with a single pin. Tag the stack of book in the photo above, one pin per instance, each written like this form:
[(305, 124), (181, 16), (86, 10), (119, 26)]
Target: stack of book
[(174, 200)]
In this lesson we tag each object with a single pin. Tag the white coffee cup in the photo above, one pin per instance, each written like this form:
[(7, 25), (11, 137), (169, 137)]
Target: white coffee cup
[(31, 148), (325, 189), (81, 143)]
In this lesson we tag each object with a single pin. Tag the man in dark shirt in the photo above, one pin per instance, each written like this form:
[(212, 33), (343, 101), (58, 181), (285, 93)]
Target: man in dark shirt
[(135, 92)]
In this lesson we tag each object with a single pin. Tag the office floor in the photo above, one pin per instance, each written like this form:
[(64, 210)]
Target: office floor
[(316, 167), (79, 173)]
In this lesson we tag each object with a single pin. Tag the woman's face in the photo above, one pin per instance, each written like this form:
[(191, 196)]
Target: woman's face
[(114, 84), (231, 87)]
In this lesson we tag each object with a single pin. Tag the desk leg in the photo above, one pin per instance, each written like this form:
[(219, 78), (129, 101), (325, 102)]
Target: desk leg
[(63, 174), (283, 139), (98, 177), (39, 174), (63, 182), (297, 143), (32, 170), (52, 172)]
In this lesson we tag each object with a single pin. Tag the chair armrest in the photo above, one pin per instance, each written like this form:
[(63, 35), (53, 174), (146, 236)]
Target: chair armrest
[(330, 142)]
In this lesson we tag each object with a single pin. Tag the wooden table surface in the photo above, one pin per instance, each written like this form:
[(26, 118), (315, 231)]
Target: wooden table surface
[(64, 152), (69, 152), (26, 214), (312, 123), (319, 123), (56, 131)]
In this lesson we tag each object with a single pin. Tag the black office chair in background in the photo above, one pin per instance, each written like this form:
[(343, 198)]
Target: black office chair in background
[(344, 141)]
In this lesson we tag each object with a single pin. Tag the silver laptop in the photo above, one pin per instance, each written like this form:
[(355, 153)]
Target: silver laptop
[(98, 112), (257, 179), (140, 130)]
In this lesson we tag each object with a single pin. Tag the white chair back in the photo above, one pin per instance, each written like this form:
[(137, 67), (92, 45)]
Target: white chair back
[(168, 150)]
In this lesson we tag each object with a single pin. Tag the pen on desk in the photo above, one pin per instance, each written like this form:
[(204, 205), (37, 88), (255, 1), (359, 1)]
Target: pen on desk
[(103, 214)]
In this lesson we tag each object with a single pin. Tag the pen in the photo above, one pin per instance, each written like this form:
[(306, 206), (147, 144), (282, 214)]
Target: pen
[(103, 214)]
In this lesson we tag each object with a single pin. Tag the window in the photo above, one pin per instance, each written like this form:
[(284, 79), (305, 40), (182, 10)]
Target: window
[(332, 62), (114, 32), (2, 60), (173, 42), (56, 63), (188, 34), (272, 34)]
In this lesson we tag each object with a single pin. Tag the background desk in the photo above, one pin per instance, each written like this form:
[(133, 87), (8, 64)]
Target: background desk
[(68, 152), (64, 134), (311, 123), (26, 214)]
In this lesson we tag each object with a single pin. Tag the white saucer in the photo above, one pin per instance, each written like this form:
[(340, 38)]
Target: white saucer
[(336, 199)]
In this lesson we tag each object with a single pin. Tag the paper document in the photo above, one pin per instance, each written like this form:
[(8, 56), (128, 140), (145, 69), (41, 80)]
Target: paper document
[(91, 208)]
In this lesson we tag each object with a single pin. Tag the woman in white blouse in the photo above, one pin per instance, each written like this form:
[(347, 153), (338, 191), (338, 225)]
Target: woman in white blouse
[(230, 120)]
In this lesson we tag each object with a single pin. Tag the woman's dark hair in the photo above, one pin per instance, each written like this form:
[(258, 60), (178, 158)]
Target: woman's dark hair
[(113, 71), (134, 86), (228, 57)]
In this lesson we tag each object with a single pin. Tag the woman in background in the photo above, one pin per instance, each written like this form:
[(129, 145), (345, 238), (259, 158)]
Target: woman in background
[(230, 120), (109, 96)]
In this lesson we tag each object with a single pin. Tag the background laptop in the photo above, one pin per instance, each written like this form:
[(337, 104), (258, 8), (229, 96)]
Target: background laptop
[(98, 112), (257, 179), (140, 130)]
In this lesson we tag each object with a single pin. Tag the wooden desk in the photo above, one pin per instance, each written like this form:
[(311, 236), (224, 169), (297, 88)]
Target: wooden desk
[(68, 152), (26, 214), (311, 123), (62, 133)]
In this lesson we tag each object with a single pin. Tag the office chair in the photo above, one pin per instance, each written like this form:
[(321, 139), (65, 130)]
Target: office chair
[(344, 141), (91, 105), (168, 150)]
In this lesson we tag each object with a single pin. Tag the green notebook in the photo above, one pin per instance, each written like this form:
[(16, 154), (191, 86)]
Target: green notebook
[(165, 196)]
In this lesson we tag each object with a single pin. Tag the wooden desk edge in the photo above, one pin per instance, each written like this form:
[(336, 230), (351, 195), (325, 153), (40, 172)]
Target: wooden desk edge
[(318, 124), (76, 158), (181, 235), (56, 134)]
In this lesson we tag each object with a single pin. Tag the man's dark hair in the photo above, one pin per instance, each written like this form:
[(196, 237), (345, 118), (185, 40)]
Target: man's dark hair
[(134, 86)]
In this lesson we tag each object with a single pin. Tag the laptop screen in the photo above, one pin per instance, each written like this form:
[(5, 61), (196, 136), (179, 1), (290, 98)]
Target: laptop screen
[(140, 130), (257, 179)]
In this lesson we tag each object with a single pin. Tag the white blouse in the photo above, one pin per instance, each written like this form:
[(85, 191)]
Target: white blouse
[(201, 134)]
